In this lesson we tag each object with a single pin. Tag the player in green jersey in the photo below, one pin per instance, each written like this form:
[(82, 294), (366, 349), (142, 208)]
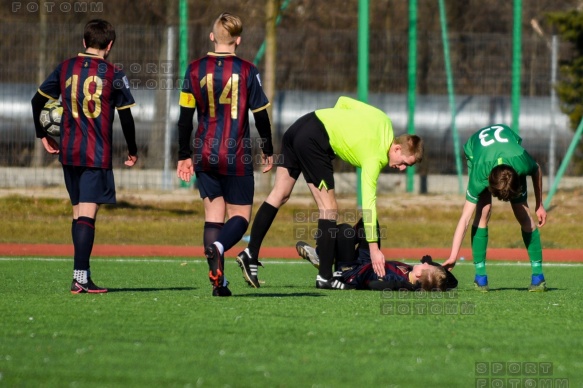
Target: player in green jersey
[(356, 133), (498, 166)]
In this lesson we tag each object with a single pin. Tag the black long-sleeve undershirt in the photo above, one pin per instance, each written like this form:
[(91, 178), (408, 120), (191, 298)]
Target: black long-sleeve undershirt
[(38, 102), (128, 127), (264, 128), (184, 132)]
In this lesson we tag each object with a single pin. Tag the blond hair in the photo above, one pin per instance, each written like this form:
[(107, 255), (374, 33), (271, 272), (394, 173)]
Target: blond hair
[(227, 28), (433, 278), (411, 145)]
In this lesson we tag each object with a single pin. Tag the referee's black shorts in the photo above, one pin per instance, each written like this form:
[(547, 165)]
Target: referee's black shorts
[(306, 149)]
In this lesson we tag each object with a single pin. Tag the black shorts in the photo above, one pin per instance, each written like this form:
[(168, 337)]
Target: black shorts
[(88, 184), (306, 149), (523, 197), (236, 190)]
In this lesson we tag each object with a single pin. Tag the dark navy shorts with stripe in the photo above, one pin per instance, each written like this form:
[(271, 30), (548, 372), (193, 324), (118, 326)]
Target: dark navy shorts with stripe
[(88, 184), (236, 190), (306, 149)]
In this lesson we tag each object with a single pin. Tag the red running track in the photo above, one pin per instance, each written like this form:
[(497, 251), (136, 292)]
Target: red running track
[(59, 250)]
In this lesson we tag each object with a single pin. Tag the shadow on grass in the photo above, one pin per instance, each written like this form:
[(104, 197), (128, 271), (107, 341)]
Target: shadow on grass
[(520, 289), (153, 289), (279, 295), (127, 205)]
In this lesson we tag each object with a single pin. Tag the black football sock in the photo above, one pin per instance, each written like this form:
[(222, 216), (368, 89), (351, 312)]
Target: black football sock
[(261, 224), (345, 244), (83, 242), (234, 229), (326, 243), (211, 233), (73, 224), (78, 275)]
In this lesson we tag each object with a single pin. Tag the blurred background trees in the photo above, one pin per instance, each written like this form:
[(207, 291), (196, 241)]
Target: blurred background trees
[(316, 50)]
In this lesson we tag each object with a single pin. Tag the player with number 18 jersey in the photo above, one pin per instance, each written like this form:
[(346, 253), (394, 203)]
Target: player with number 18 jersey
[(91, 90)]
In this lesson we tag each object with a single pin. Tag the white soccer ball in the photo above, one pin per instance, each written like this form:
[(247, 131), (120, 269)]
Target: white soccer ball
[(50, 117)]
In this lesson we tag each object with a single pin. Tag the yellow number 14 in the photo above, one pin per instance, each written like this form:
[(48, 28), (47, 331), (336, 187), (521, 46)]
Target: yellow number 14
[(232, 88)]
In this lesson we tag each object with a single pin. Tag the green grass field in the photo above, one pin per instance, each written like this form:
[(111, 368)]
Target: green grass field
[(159, 327)]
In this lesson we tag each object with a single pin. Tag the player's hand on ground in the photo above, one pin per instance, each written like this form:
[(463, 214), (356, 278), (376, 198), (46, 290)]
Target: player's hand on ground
[(268, 162), (541, 214), (378, 262), (50, 145), (449, 263), (131, 160), (185, 170)]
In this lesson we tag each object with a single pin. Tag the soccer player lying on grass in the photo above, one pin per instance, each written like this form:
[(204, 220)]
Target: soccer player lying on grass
[(354, 268)]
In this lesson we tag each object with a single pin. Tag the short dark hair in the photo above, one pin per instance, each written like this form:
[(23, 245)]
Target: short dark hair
[(98, 33), (504, 183)]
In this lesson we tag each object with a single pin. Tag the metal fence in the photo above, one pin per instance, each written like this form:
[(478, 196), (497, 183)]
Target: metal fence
[(312, 71)]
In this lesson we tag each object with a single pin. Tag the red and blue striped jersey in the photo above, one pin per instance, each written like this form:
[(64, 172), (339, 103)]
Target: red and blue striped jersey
[(90, 89), (362, 273), (223, 88)]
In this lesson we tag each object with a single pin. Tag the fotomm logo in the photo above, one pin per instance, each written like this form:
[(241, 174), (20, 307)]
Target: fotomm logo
[(517, 374), (64, 7)]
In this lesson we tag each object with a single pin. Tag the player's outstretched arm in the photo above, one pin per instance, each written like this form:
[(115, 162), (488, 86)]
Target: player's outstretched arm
[(459, 234), (537, 184)]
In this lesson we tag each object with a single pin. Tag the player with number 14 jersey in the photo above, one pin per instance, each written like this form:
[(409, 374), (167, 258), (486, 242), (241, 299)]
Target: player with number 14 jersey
[(223, 88)]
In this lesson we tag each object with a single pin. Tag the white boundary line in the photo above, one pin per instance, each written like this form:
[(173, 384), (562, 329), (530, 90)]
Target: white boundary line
[(268, 261)]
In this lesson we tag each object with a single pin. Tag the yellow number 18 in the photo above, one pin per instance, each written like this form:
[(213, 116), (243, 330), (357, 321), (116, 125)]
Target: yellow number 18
[(88, 95)]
